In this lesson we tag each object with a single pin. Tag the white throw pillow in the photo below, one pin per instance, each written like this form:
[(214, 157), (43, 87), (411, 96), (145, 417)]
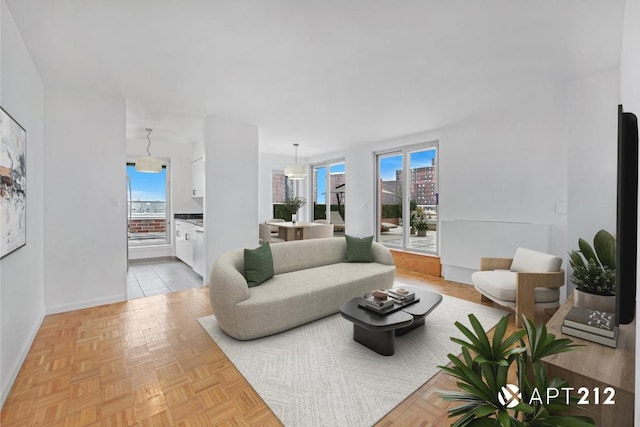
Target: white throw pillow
[(530, 261)]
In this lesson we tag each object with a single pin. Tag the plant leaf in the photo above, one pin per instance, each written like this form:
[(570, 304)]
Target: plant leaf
[(475, 342), (575, 259), (513, 338), (481, 335), (498, 336), (484, 411), (485, 422), (587, 250), (605, 246), (570, 421), (504, 418)]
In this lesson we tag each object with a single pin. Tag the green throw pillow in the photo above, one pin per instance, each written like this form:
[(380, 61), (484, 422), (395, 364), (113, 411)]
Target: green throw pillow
[(258, 265), (358, 249)]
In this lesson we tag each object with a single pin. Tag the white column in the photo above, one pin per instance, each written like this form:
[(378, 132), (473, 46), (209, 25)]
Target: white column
[(231, 186)]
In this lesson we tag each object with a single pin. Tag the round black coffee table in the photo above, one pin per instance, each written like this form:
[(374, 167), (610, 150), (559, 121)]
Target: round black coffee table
[(378, 331)]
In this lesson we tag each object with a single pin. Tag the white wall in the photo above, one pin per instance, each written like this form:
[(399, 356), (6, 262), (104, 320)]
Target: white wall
[(592, 118), (21, 273), (231, 183), (507, 165), (521, 163), (630, 96), (85, 198), (630, 58)]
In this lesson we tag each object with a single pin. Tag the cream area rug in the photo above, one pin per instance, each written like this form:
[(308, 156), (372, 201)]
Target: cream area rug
[(316, 375)]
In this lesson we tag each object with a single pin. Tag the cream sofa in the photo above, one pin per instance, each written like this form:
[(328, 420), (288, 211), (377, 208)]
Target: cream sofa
[(311, 280)]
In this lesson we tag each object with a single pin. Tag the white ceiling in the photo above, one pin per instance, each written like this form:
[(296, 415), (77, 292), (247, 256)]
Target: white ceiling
[(324, 73)]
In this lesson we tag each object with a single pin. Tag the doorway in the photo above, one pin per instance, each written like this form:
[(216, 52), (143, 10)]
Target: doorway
[(408, 198), (328, 187), (147, 207)]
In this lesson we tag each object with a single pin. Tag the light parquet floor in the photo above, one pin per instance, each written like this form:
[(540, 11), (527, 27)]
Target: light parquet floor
[(148, 362)]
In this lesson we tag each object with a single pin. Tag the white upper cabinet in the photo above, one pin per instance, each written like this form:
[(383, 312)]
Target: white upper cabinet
[(197, 177)]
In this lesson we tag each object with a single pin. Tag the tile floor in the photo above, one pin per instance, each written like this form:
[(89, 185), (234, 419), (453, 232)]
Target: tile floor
[(159, 276)]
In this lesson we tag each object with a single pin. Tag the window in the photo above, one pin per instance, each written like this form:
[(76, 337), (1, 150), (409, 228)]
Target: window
[(147, 211), (281, 188), (328, 187), (408, 198)]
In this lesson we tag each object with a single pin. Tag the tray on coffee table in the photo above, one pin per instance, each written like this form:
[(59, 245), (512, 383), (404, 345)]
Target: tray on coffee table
[(397, 305)]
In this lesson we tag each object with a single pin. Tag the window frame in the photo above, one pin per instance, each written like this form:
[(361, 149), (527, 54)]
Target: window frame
[(327, 164), (166, 165), (405, 151)]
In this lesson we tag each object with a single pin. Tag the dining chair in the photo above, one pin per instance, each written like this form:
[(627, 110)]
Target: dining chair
[(318, 231), (266, 236)]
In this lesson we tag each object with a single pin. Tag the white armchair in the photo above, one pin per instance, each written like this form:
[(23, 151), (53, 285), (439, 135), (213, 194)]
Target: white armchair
[(528, 280)]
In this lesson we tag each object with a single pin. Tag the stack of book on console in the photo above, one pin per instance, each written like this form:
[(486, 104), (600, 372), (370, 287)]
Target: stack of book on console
[(401, 295), (378, 305), (591, 325)]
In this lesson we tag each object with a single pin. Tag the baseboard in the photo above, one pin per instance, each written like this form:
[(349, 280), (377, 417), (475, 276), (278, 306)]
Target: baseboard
[(15, 369), (151, 260), (151, 251), (85, 304), (457, 274)]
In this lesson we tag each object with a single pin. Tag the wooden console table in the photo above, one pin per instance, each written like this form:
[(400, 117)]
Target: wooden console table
[(596, 365)]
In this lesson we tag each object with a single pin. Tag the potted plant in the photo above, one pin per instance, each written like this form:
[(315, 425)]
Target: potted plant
[(293, 205), (483, 369), (421, 226), (413, 221), (594, 272)]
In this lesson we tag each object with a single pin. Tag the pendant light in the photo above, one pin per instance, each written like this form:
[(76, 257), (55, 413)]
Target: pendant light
[(296, 171), (148, 164)]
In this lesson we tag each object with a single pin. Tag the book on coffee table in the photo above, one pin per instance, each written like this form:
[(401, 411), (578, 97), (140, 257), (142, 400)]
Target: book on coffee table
[(600, 339), (592, 321), (378, 305), (402, 297)]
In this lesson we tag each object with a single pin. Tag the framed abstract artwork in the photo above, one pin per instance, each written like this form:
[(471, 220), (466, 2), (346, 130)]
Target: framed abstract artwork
[(13, 189)]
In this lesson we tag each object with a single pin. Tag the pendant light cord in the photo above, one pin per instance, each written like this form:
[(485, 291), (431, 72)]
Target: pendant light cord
[(148, 139)]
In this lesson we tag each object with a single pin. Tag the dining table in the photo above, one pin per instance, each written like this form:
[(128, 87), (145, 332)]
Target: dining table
[(293, 230)]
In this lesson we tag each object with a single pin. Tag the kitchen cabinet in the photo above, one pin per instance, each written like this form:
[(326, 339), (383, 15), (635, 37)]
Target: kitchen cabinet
[(198, 250), (184, 242), (197, 177)]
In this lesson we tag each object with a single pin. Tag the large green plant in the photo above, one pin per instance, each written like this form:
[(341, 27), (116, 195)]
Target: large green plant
[(483, 368), (594, 268)]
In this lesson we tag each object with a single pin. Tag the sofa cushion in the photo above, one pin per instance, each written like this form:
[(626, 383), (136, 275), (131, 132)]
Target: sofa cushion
[(501, 284), (358, 249), (530, 261), (258, 265)]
